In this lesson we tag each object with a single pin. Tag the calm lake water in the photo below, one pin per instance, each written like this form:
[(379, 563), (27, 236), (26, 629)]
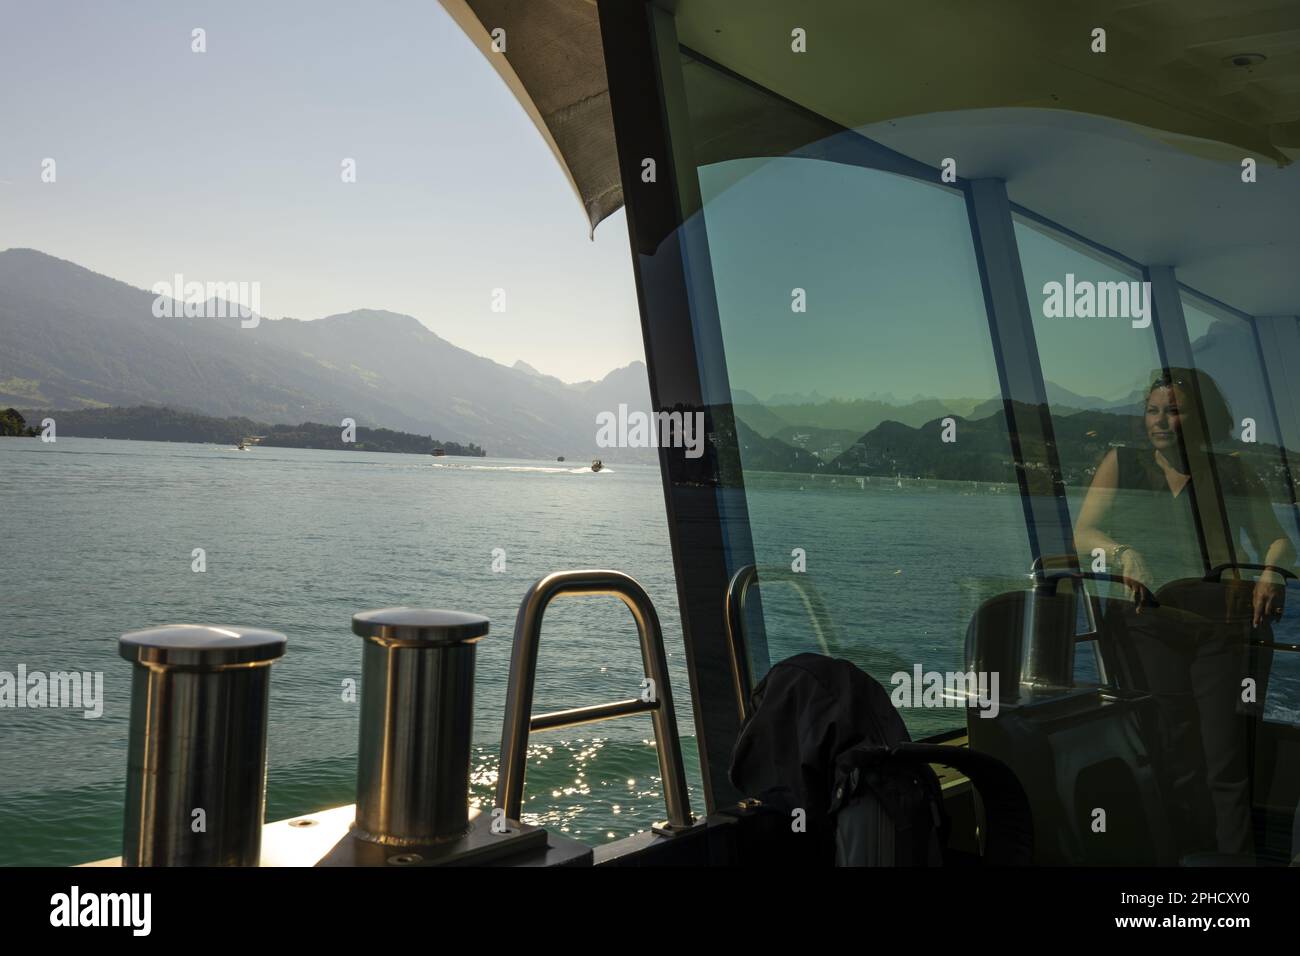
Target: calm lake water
[(96, 539)]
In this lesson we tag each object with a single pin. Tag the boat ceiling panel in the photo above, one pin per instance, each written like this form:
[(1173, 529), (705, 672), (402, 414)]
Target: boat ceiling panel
[(1166, 64)]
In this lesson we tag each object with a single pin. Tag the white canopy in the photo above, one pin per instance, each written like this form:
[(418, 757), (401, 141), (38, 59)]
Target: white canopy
[(554, 66)]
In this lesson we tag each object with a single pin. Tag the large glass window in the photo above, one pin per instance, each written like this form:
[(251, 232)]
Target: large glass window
[(872, 436), (1096, 358), (1225, 349)]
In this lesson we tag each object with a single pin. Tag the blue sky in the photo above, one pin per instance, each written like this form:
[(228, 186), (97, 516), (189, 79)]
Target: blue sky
[(225, 166)]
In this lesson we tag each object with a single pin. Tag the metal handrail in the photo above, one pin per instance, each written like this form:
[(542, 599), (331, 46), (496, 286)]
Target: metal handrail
[(737, 589), (519, 720), (1215, 574)]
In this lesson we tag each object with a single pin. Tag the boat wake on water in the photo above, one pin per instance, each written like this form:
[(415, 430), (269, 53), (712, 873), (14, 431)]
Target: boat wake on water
[(541, 469)]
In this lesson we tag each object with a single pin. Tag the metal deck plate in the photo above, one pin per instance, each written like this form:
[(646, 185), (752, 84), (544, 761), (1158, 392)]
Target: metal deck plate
[(477, 847)]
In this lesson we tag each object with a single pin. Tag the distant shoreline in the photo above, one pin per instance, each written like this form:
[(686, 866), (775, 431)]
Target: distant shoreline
[(159, 423)]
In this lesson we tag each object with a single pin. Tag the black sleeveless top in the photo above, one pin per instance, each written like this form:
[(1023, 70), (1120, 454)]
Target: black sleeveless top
[(1153, 521)]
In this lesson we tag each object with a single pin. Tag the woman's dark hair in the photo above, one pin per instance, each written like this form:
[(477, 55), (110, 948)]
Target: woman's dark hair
[(1194, 382)]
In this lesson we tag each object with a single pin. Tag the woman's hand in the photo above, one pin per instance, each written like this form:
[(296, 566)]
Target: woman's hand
[(1269, 598), (1135, 569)]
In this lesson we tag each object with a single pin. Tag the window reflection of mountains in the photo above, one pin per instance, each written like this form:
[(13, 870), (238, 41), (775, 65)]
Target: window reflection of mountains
[(981, 452)]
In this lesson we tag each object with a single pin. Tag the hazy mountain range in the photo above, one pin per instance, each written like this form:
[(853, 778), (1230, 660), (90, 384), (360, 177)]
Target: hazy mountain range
[(824, 420), (71, 338)]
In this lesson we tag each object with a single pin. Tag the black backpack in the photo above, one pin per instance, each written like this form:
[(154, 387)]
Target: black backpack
[(825, 748)]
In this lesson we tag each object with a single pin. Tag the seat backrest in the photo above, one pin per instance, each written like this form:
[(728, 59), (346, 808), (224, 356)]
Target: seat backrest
[(1072, 749), (1026, 637)]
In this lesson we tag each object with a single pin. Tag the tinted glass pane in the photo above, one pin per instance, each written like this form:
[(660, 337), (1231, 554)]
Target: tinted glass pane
[(1094, 365), (872, 436), (1225, 349)]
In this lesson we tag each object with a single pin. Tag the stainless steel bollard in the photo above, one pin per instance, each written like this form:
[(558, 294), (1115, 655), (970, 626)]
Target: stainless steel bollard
[(196, 763), (417, 722)]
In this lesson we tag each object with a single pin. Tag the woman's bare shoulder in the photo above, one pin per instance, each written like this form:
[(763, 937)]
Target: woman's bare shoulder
[(1107, 473)]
